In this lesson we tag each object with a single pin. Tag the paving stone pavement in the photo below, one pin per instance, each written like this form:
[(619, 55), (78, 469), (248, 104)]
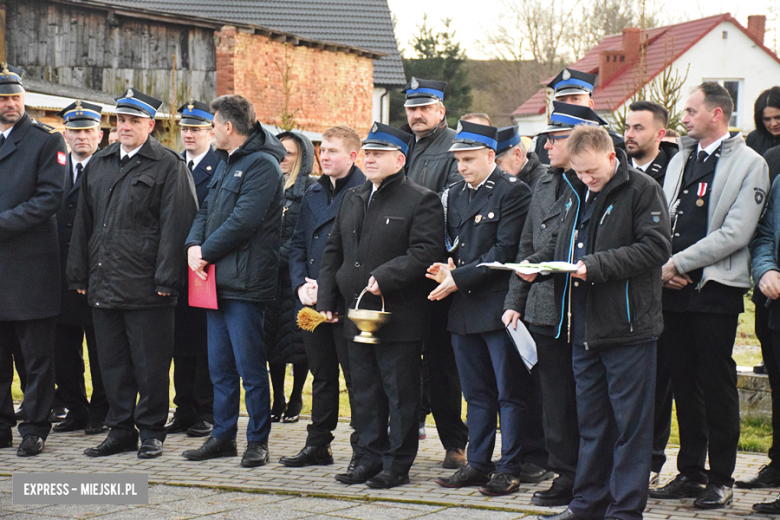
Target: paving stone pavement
[(221, 488)]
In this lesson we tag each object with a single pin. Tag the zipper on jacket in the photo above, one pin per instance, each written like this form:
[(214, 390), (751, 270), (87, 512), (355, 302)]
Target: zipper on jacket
[(570, 256), (628, 310)]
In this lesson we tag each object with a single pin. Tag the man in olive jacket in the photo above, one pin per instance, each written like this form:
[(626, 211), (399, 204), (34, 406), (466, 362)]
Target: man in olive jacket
[(388, 231), (615, 228), (137, 202), (238, 229)]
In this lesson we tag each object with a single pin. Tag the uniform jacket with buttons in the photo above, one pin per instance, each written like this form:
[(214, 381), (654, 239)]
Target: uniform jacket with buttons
[(487, 229), (75, 309), (313, 228), (203, 172), (395, 240), (131, 222), (32, 168), (239, 225), (628, 242), (430, 162)]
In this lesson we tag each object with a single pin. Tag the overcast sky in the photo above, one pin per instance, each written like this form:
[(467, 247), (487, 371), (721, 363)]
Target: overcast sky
[(472, 20)]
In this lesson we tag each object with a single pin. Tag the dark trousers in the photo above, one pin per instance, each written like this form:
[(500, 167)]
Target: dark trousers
[(442, 393), (236, 355), (615, 393), (69, 362), (561, 433), (36, 340), (770, 350), (386, 381), (704, 382), (194, 397), (135, 349), (18, 360), (326, 349), (496, 382), (662, 418)]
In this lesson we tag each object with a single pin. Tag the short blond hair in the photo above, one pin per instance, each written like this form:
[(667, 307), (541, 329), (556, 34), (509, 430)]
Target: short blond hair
[(588, 137), (347, 134)]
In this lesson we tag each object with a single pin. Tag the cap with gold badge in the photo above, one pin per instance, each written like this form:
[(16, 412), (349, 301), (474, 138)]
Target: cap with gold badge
[(81, 114)]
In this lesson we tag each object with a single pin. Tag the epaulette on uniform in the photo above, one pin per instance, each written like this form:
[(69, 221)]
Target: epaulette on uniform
[(44, 126)]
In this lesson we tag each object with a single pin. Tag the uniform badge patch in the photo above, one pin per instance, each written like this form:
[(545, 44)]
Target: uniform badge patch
[(478, 219), (62, 158), (239, 173), (459, 128), (566, 75), (491, 215), (760, 195), (414, 84)]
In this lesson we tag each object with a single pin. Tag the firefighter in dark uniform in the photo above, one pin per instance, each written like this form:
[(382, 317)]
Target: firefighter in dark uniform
[(194, 398), (82, 134), (33, 159), (485, 216), (387, 232), (576, 88)]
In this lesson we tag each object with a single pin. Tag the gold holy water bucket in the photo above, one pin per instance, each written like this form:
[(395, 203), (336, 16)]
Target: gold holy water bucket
[(368, 321)]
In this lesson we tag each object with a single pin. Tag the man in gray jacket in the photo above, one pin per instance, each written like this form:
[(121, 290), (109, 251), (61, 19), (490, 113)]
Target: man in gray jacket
[(716, 188)]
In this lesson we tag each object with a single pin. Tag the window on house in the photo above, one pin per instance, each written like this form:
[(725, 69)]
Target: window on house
[(733, 86)]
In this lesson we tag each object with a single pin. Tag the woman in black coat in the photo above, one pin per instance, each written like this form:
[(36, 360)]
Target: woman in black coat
[(766, 117), (283, 342)]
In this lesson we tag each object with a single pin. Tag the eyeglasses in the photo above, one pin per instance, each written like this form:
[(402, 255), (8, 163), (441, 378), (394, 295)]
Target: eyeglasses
[(193, 129), (554, 138)]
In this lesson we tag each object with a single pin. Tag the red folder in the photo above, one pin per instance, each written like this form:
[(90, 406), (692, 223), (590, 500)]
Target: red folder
[(203, 293)]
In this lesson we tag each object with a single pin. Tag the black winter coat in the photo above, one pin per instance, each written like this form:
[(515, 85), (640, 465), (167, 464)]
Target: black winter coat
[(130, 227), (395, 240), (429, 161), (238, 227), (75, 308), (628, 242), (32, 168), (532, 170), (283, 341)]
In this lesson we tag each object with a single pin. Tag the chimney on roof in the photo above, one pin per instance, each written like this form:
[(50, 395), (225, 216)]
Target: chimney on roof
[(611, 61), (756, 26)]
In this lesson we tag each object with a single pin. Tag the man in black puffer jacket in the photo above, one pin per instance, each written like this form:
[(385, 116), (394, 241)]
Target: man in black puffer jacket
[(238, 230), (615, 227)]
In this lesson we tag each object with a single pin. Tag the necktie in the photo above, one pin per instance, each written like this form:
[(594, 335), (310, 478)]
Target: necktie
[(79, 169), (2, 140), (472, 193), (191, 165), (702, 156), (124, 160)]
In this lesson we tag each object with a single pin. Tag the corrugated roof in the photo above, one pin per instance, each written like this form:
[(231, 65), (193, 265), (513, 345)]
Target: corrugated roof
[(365, 24), (665, 45)]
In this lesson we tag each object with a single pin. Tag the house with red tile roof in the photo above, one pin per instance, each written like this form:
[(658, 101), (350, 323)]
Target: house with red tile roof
[(716, 48)]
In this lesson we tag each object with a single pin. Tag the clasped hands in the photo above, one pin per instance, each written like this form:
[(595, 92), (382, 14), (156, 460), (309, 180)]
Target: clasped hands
[(672, 278), (442, 273)]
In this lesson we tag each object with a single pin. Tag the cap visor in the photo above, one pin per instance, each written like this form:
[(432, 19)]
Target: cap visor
[(132, 111), (188, 121), (420, 101), (570, 91), (380, 146), (462, 147), (555, 128), (11, 89), (78, 124)]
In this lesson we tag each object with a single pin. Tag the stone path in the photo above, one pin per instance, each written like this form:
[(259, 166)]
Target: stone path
[(220, 488)]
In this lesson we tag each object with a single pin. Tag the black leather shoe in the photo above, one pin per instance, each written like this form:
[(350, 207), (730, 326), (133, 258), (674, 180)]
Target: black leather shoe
[(354, 462), (500, 484), (293, 411), (566, 515), (6, 439), (212, 449), (150, 449), (359, 475), (113, 445), (200, 429), (31, 445), (58, 414), (94, 427), (464, 477), (176, 425), (714, 497), (559, 494), (454, 459), (387, 478), (69, 425), (767, 477), (19, 413), (256, 454), (768, 508), (679, 487), (278, 409), (530, 473), (310, 456)]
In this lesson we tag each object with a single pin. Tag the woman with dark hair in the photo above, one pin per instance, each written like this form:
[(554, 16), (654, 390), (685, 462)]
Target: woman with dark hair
[(766, 116), (283, 341)]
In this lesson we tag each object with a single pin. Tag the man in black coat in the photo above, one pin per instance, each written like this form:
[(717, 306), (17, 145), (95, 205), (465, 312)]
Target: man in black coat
[(326, 347), (194, 398), (238, 229), (32, 161), (615, 228), (82, 134), (137, 203), (513, 158), (388, 231), (485, 216)]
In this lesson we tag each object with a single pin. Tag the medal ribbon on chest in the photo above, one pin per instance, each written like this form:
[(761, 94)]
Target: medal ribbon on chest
[(702, 189)]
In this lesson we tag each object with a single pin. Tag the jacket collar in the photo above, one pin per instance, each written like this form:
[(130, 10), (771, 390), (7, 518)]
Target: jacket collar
[(16, 135), (688, 144)]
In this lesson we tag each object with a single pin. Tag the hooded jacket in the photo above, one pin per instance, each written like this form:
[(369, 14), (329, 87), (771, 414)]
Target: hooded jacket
[(239, 225)]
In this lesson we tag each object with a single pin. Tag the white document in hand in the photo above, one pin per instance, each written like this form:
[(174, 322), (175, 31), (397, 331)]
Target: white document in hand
[(524, 343)]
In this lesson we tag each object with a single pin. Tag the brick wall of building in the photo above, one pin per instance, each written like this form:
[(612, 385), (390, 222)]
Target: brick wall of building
[(327, 87)]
